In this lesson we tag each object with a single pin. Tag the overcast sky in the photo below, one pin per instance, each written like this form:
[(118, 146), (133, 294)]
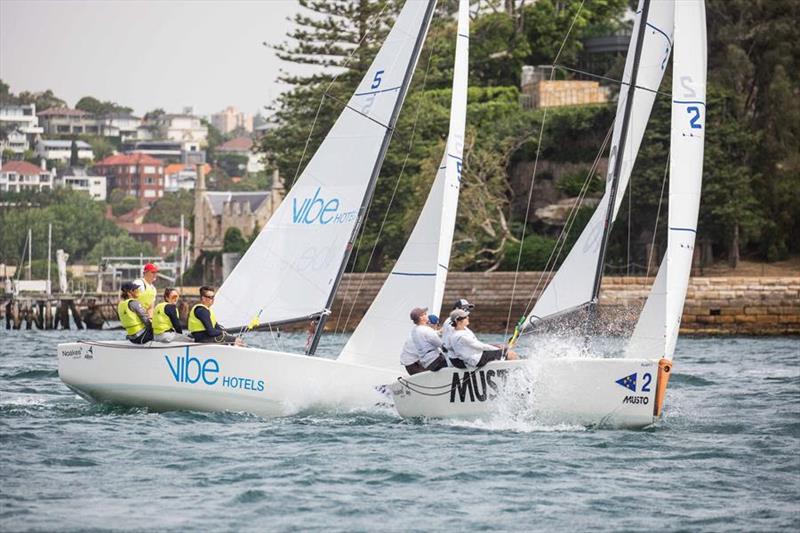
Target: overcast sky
[(146, 53)]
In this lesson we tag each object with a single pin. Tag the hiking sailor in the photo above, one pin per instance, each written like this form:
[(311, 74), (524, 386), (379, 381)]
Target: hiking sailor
[(421, 350), (447, 327), (147, 289), (467, 349), (166, 320), (203, 325), (133, 316)]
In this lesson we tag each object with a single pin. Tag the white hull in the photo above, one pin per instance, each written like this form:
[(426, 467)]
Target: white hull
[(207, 377), (559, 391)]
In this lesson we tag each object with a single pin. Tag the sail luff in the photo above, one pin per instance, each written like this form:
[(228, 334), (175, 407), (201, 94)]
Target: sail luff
[(412, 63), (418, 277)]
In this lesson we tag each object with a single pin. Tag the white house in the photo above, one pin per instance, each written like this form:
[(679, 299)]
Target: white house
[(18, 176), (62, 150), (79, 179), (21, 125)]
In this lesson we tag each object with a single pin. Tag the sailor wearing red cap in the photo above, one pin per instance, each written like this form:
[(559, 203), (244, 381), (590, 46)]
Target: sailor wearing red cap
[(147, 289)]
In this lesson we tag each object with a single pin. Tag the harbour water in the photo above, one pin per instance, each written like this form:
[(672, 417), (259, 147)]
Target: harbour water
[(726, 456)]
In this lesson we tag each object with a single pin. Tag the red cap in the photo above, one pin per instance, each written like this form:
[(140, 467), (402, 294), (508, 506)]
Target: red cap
[(150, 267)]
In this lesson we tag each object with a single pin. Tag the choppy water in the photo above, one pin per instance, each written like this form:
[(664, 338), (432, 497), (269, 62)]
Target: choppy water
[(726, 456)]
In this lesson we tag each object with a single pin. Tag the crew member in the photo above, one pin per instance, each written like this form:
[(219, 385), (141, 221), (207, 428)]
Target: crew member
[(203, 325), (147, 289), (447, 327), (468, 349), (166, 320), (421, 350), (133, 316)]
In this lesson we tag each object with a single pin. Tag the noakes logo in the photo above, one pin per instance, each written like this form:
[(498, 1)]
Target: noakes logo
[(317, 210)]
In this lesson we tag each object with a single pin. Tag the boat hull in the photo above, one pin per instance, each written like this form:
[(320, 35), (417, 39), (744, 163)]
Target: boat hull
[(205, 377), (588, 392)]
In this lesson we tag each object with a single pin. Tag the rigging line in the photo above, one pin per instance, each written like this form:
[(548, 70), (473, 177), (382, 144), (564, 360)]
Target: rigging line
[(614, 80), (533, 174), (411, 139), (630, 195), (325, 93), (658, 214), (561, 242)]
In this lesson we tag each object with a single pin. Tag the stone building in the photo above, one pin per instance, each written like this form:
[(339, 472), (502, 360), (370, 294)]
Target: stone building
[(217, 211)]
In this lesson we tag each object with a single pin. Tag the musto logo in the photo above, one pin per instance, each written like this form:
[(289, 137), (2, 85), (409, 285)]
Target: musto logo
[(316, 210), (477, 385), (188, 369)]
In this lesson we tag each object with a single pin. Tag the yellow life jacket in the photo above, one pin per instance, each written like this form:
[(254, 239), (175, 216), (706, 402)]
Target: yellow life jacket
[(194, 323), (147, 296), (130, 321), (162, 322)]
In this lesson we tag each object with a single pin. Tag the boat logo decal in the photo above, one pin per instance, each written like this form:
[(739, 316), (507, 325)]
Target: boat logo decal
[(629, 382), (207, 371), (477, 385), (316, 210)]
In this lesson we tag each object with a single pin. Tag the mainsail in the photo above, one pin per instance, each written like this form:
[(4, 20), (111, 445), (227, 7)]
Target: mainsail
[(292, 268), (657, 329), (419, 275), (573, 285)]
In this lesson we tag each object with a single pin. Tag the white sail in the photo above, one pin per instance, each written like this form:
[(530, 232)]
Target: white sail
[(290, 269), (418, 278), (657, 329), (573, 283)]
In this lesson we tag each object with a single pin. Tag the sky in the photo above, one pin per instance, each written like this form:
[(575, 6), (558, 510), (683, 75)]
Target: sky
[(147, 54)]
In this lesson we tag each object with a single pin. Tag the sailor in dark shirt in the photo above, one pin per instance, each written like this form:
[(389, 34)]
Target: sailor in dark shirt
[(203, 324), (166, 320)]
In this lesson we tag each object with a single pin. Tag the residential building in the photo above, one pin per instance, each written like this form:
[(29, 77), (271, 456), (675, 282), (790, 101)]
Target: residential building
[(18, 176), (21, 125), (217, 211), (178, 176), (54, 150), (139, 175), (79, 179), (164, 239), (65, 121), (538, 90), (185, 128), (242, 146), (125, 125), (187, 153), (231, 119)]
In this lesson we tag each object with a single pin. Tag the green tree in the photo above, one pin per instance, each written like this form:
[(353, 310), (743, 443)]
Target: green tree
[(234, 241), (121, 202), (92, 105), (119, 245), (43, 100), (168, 209)]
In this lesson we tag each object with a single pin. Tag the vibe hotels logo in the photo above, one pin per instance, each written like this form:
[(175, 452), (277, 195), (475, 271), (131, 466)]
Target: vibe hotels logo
[(316, 210), (187, 369)]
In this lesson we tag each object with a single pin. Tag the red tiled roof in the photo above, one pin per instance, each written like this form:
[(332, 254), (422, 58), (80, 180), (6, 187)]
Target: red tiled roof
[(131, 216), (239, 144), (177, 167), (61, 112), (150, 228), (135, 158), (22, 167)]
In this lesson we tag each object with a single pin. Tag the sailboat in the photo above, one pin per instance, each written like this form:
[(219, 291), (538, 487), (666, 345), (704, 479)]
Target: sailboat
[(628, 389), (292, 270)]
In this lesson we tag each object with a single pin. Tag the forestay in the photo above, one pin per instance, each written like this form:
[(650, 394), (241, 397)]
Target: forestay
[(419, 275), (291, 268), (653, 337), (573, 283)]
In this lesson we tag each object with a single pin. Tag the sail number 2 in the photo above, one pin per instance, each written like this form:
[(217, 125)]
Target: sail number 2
[(695, 112)]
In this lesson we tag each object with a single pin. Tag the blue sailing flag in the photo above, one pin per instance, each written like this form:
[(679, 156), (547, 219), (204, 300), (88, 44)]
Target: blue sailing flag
[(629, 382)]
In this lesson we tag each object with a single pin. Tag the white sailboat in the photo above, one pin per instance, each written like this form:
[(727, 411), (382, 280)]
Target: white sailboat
[(291, 271), (626, 390)]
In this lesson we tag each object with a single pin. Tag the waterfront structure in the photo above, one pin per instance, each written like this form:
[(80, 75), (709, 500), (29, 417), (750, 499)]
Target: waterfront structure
[(79, 179), (21, 125), (19, 176), (164, 239), (217, 211), (231, 119), (538, 90), (242, 146), (139, 175), (56, 150)]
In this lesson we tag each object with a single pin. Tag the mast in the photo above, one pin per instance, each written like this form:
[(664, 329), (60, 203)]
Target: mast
[(375, 172), (598, 277)]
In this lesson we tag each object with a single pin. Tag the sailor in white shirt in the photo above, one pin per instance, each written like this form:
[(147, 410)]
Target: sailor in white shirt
[(421, 350), (467, 347), (447, 327)]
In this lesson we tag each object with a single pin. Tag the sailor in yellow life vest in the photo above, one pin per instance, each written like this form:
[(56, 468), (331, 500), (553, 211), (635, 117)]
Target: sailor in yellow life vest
[(147, 289), (203, 325), (166, 320), (133, 316)]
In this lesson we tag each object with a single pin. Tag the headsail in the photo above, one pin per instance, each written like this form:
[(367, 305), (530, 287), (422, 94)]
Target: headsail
[(686, 174), (291, 269), (573, 285), (419, 275)]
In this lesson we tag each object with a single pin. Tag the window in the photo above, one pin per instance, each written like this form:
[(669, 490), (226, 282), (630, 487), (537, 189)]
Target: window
[(149, 194), (150, 169), (149, 181), (44, 178), (78, 129), (173, 238), (62, 129), (12, 177)]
